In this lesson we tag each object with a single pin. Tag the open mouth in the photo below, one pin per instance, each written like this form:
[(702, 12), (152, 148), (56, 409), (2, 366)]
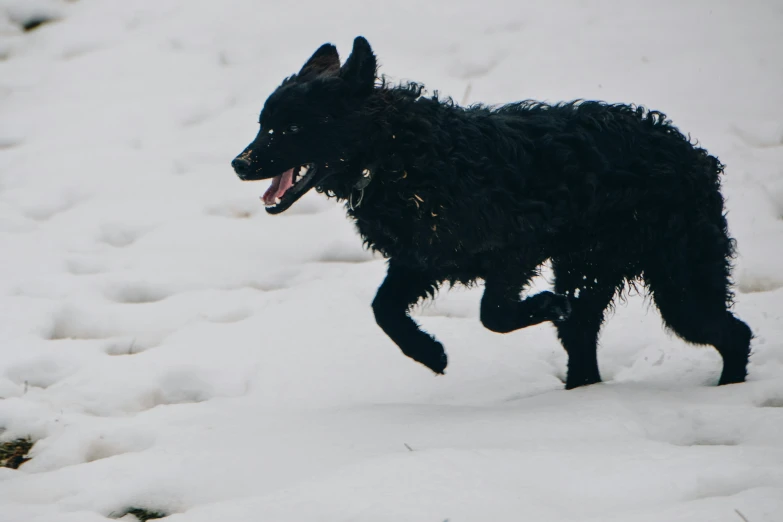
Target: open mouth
[(288, 187)]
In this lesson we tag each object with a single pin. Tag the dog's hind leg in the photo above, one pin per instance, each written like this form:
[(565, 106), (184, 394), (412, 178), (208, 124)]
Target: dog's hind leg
[(590, 288), (503, 312), (691, 289), (402, 288)]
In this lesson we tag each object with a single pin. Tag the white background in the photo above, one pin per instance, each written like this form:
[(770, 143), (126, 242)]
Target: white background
[(171, 347)]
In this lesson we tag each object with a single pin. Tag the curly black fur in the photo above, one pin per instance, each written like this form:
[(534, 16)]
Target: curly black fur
[(608, 193)]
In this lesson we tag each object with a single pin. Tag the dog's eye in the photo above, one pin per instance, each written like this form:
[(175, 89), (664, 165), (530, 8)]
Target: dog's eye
[(293, 129)]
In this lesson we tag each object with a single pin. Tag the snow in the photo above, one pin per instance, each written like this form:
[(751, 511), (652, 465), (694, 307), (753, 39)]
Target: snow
[(171, 347)]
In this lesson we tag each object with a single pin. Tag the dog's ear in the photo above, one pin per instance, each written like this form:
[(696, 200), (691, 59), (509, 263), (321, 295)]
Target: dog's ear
[(323, 61), (360, 68)]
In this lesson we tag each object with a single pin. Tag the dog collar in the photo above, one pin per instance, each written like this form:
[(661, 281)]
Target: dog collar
[(360, 186)]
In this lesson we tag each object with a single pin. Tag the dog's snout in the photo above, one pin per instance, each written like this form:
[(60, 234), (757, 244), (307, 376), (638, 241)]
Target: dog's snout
[(241, 165)]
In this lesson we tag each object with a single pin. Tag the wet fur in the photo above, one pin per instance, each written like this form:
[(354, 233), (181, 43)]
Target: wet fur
[(610, 193)]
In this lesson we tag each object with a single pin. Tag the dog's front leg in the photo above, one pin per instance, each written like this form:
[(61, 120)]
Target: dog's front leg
[(503, 312), (401, 289)]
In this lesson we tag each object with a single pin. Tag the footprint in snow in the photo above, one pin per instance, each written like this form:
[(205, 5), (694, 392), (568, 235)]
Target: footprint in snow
[(718, 487), (119, 235), (84, 266), (749, 283), (710, 441), (244, 208), (9, 142), (775, 401), (73, 324), (125, 346), (39, 372), (136, 293), (345, 253), (117, 443), (513, 26), (180, 386), (775, 194), (762, 136), (229, 316), (31, 17), (49, 205)]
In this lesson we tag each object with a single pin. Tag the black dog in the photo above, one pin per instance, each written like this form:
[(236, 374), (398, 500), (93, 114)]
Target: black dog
[(609, 193)]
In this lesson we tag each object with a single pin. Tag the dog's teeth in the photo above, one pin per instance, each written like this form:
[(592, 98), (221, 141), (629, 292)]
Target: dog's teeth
[(277, 201)]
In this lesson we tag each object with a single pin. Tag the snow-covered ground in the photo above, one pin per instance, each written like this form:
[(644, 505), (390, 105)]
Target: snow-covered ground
[(171, 347)]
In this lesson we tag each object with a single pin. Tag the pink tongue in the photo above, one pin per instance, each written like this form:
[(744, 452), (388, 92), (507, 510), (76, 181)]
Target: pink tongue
[(280, 184)]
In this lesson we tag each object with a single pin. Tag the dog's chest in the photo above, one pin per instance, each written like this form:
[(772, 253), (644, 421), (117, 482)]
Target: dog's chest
[(410, 226)]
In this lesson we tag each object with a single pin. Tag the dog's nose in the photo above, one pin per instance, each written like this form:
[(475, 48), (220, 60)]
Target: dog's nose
[(241, 165)]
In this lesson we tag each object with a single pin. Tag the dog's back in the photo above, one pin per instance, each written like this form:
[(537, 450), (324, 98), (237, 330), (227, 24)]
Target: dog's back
[(563, 178)]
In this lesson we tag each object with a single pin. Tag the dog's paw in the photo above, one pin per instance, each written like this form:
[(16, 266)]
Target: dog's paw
[(438, 363), (431, 354), (553, 307), (576, 381)]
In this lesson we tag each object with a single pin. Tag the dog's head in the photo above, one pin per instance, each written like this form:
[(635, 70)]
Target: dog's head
[(311, 128)]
